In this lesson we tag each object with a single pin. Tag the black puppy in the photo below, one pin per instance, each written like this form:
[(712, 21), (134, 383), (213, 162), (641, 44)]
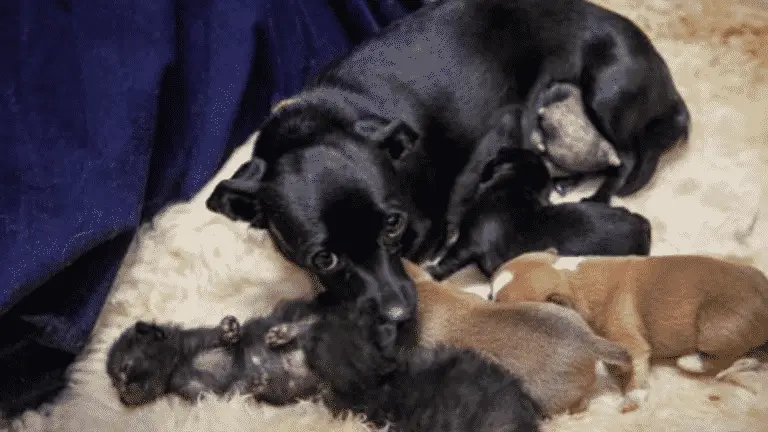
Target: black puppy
[(442, 389), (509, 217), (356, 171), (149, 360)]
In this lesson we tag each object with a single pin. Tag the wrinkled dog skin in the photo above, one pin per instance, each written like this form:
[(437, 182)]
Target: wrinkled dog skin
[(355, 172)]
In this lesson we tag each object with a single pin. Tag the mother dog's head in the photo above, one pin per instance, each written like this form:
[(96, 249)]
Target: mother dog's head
[(322, 181)]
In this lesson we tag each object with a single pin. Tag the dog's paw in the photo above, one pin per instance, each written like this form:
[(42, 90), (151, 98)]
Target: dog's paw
[(597, 198), (633, 400), (230, 329), (732, 373), (278, 335)]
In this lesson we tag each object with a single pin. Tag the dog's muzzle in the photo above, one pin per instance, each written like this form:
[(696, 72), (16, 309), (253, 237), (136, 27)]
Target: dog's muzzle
[(398, 303)]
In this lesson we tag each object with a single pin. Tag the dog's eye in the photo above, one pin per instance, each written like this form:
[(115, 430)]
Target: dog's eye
[(325, 260), (395, 225)]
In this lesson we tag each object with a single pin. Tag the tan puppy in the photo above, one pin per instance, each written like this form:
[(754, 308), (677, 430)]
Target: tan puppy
[(551, 348), (706, 312)]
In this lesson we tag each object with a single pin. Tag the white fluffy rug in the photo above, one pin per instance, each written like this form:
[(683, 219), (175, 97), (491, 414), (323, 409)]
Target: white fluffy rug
[(193, 267)]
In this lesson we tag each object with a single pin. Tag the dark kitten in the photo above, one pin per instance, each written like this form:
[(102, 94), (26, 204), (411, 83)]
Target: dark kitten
[(150, 360)]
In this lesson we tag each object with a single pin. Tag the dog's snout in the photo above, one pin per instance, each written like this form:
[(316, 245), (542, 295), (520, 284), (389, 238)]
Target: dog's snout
[(396, 313), (398, 304)]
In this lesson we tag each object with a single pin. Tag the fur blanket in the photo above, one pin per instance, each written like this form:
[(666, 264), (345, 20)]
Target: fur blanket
[(193, 267)]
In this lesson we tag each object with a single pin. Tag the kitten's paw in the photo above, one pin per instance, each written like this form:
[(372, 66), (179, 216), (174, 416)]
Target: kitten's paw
[(230, 329), (259, 384), (278, 335)]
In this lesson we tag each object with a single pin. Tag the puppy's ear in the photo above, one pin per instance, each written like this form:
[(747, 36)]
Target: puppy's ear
[(395, 136), (560, 299), (551, 251), (237, 197), (150, 330)]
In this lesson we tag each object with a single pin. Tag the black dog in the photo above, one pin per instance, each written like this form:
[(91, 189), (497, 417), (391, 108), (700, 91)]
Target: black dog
[(356, 172), (508, 217), (441, 389)]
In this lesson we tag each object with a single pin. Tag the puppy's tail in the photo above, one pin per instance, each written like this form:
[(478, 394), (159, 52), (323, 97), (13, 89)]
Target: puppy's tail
[(612, 353)]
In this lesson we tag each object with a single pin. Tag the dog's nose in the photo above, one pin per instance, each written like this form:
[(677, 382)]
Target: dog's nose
[(398, 310), (396, 313)]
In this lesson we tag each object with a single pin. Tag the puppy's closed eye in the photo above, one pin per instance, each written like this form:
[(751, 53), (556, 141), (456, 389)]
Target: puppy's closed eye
[(560, 299)]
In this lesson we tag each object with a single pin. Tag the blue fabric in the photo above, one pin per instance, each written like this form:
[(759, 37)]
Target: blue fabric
[(112, 109)]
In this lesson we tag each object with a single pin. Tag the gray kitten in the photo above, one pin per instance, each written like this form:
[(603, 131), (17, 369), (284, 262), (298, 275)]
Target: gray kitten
[(150, 360)]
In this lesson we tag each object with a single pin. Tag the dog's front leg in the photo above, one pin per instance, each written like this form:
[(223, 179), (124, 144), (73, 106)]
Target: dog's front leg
[(614, 179)]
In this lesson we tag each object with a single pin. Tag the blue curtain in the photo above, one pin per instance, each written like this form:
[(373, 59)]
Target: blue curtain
[(112, 109)]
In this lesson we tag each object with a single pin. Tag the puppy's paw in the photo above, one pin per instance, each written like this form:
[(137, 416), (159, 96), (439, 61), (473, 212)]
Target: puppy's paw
[(732, 373), (634, 399), (278, 336), (230, 329)]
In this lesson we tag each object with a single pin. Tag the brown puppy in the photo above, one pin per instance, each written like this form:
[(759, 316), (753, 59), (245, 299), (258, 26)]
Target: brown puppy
[(706, 312), (551, 348)]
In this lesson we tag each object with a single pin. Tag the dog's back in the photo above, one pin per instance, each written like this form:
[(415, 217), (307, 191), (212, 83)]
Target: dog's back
[(725, 303), (588, 228)]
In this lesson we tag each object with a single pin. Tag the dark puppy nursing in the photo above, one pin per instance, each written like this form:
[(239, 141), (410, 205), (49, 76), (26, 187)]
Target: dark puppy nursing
[(356, 171), (507, 213), (438, 389)]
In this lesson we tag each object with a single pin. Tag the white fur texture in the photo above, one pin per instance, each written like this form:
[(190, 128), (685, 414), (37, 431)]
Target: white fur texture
[(692, 363), (500, 280), (193, 267), (568, 263)]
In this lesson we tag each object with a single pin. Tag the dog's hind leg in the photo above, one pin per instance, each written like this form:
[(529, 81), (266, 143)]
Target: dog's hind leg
[(660, 134)]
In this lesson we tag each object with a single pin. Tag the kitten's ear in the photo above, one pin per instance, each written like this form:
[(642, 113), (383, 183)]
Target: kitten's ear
[(396, 137), (237, 197), (148, 329)]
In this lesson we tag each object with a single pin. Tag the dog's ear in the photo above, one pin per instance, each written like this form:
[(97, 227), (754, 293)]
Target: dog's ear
[(150, 330), (395, 136), (237, 197)]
